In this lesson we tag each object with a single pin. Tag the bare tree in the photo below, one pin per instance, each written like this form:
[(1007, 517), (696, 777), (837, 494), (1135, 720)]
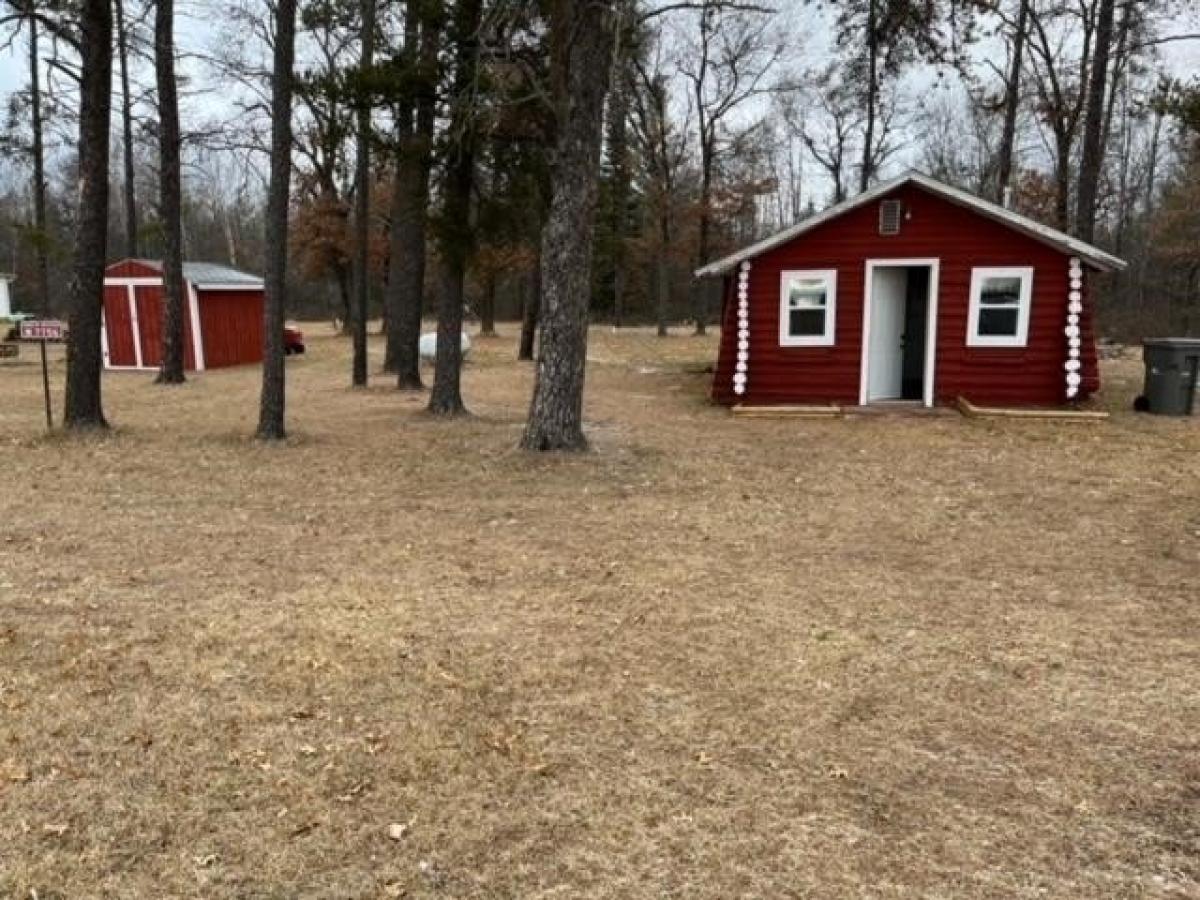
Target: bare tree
[(727, 64), (455, 231), (170, 208), (84, 410), (1095, 124), (129, 192), (582, 35), (663, 145), (410, 191), (272, 401), (362, 193)]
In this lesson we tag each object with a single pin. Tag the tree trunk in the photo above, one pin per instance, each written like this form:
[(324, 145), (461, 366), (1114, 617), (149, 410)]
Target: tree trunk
[(699, 295), (170, 193), (271, 406), (487, 306), (1012, 104), (556, 413), (129, 189), (1092, 160), (456, 233), (41, 255), (532, 307), (618, 153), (1062, 182), (362, 200), (83, 406), (394, 294), (662, 268), (868, 157)]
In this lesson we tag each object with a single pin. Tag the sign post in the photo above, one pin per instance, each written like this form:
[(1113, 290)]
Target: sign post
[(43, 330)]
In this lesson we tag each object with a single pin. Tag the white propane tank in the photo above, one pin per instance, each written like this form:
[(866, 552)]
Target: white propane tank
[(428, 346)]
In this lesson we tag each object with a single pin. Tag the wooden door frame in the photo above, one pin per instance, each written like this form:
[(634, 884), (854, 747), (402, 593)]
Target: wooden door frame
[(934, 265)]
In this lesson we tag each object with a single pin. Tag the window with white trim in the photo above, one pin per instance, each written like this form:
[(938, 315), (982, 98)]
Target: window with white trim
[(807, 307), (999, 312)]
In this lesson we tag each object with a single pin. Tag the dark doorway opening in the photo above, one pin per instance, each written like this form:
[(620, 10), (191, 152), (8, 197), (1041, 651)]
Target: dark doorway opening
[(916, 310)]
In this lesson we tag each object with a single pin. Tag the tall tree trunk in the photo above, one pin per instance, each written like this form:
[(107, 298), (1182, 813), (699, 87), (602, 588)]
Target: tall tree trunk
[(41, 237), (1062, 182), (1092, 161), (271, 404), (531, 310), (456, 233), (83, 403), (362, 199), (698, 290), (413, 167), (1012, 104), (868, 156), (402, 133), (487, 306), (662, 269), (556, 413), (618, 153), (170, 193), (129, 190)]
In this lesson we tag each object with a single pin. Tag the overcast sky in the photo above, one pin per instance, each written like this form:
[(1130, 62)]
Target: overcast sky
[(198, 31)]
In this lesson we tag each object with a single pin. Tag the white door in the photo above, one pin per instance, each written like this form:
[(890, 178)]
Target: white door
[(885, 360)]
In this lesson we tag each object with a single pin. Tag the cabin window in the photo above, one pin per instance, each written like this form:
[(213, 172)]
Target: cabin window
[(1000, 300), (807, 307)]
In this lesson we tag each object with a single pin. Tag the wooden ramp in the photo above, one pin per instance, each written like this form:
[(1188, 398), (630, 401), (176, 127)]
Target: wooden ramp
[(971, 411)]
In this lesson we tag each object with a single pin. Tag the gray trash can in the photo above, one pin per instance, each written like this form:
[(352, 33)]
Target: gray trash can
[(1172, 372)]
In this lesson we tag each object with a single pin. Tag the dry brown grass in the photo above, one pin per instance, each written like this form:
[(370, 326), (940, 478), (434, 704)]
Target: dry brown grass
[(874, 657)]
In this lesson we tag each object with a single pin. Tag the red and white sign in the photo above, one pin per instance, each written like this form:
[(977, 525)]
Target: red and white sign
[(43, 330)]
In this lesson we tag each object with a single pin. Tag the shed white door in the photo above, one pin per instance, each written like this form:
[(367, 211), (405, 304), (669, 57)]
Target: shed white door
[(885, 360)]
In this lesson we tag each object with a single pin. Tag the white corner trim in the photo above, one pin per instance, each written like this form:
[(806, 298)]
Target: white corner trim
[(934, 265), (979, 274), (137, 282), (829, 338), (135, 325), (741, 366), (194, 315)]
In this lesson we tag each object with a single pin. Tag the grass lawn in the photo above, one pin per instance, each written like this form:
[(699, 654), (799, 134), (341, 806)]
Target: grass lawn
[(715, 658)]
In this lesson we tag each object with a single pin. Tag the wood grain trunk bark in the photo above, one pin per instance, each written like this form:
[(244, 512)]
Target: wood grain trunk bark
[(1092, 160), (84, 411), (41, 254), (362, 199), (531, 310), (867, 171), (556, 413), (129, 189), (273, 398), (1012, 105), (456, 233), (170, 194)]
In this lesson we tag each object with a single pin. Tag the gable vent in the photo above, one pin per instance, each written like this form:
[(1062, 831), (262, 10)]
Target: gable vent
[(890, 214)]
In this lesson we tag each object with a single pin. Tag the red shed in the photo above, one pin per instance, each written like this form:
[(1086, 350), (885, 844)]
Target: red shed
[(912, 291), (223, 317)]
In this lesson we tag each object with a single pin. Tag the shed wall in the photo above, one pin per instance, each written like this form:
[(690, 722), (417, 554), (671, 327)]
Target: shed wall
[(1028, 376), (231, 323)]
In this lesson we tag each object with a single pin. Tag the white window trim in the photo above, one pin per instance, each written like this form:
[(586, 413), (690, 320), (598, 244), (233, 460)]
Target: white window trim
[(786, 339), (934, 265), (978, 275)]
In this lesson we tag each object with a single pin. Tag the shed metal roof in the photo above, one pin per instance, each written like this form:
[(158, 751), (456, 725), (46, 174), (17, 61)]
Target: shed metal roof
[(1094, 256), (201, 273)]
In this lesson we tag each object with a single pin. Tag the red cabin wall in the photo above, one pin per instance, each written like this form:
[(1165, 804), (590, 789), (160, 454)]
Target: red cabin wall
[(232, 327), (150, 307), (961, 239)]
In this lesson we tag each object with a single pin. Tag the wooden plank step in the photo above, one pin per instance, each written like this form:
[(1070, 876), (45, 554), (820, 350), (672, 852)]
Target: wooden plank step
[(787, 412), (971, 411)]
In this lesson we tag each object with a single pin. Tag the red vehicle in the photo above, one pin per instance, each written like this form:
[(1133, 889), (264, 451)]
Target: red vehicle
[(293, 340)]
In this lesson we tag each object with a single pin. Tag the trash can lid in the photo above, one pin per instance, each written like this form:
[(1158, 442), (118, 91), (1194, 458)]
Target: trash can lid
[(1179, 343)]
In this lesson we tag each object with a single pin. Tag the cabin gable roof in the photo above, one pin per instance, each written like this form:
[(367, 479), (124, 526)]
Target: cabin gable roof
[(1093, 256)]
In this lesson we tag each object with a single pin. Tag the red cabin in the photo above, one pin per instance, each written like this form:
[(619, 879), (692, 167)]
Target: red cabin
[(913, 291), (223, 316)]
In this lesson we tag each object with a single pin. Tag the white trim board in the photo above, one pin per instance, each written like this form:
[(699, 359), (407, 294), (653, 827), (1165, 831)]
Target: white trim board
[(1094, 256), (934, 264)]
